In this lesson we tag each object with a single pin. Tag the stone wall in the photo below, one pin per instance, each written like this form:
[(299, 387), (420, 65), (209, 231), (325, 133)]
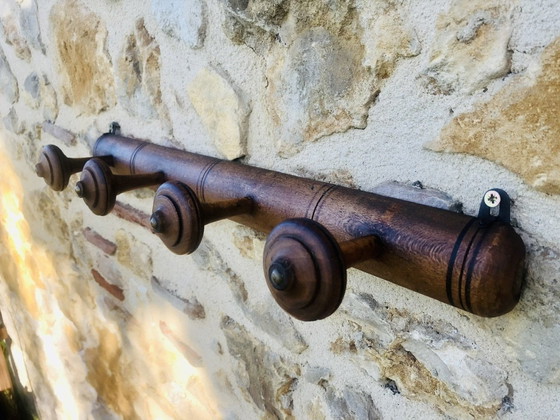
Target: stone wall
[(456, 96)]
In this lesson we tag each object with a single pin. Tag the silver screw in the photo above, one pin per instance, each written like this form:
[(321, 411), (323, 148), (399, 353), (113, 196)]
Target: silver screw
[(156, 222), (79, 188), (492, 198)]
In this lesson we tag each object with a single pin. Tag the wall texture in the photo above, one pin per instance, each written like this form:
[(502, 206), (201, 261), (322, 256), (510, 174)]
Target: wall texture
[(460, 95)]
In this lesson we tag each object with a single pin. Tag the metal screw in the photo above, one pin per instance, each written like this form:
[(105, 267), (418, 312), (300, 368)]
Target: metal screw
[(280, 274), (156, 221), (115, 128), (492, 198), (79, 188)]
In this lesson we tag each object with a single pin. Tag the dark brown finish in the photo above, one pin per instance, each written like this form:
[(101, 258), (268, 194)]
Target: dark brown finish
[(460, 260), (56, 168), (448, 256), (305, 267), (99, 187), (178, 217)]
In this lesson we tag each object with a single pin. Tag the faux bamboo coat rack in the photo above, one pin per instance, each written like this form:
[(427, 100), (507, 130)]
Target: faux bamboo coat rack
[(316, 230)]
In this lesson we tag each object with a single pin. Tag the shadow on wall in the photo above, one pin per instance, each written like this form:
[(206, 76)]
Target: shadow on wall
[(87, 354)]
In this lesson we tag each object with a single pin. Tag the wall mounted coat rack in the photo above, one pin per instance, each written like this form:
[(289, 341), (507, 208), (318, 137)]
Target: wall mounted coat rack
[(316, 230)]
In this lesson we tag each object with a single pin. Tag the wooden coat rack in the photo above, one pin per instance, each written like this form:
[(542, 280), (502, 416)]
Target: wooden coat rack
[(316, 230)]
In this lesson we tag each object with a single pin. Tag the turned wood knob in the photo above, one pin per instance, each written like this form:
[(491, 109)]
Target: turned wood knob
[(178, 217), (99, 187), (305, 267), (55, 167)]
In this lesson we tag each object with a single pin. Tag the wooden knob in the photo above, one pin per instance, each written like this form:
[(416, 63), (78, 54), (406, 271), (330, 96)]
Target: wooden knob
[(305, 267), (178, 217), (55, 167), (99, 187)]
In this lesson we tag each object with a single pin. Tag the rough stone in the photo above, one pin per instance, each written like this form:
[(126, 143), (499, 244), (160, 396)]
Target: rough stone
[(133, 254), (473, 379), (226, 123), (49, 100), (67, 137), (183, 20), (192, 356), (518, 128), (338, 177), (351, 404), (12, 122), (29, 24), (254, 23), (426, 359), (270, 383), (139, 89), (536, 349), (318, 87), (85, 66), (470, 48), (11, 30), (31, 87), (416, 193), (271, 320), (106, 364), (9, 90), (249, 242), (387, 37), (191, 307), (209, 259), (541, 297), (317, 374)]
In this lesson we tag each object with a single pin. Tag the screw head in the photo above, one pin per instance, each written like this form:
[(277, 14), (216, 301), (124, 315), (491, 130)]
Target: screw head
[(492, 198), (79, 188), (156, 221), (280, 274)]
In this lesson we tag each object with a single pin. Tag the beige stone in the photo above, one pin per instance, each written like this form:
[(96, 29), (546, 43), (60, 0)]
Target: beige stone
[(318, 86), (139, 87), (106, 366), (86, 70), (470, 47), (387, 38), (39, 93), (254, 23), (9, 89), (518, 128), (427, 359), (11, 29), (222, 111), (268, 384), (134, 255), (49, 100)]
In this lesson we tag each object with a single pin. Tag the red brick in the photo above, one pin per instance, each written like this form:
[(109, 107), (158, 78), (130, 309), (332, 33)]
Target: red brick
[(113, 289), (127, 212), (99, 241)]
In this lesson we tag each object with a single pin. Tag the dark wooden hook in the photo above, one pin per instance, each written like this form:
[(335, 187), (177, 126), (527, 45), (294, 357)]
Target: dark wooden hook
[(55, 167), (305, 266), (99, 187), (178, 216)]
